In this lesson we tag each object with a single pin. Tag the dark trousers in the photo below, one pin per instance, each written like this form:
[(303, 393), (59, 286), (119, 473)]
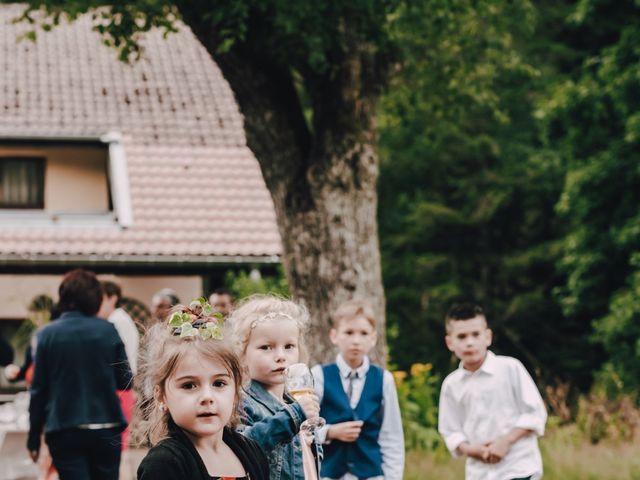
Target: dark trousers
[(85, 454)]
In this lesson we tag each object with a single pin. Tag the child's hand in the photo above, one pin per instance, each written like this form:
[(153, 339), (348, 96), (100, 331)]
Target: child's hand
[(498, 449), (345, 431), (477, 451), (310, 405), (11, 371)]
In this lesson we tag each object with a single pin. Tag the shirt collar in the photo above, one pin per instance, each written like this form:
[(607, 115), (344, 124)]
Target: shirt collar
[(261, 395), (488, 366), (345, 369)]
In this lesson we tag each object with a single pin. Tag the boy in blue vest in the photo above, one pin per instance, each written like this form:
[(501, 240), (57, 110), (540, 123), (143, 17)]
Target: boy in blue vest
[(363, 436)]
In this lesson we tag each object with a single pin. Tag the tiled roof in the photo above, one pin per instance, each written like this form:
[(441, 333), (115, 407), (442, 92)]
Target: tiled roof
[(196, 189)]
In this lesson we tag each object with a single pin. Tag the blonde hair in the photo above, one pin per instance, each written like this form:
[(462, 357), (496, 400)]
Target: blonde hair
[(260, 308), (163, 353), (355, 308)]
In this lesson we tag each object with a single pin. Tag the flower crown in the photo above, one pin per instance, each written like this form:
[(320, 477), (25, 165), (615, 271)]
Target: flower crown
[(269, 316), (198, 319)]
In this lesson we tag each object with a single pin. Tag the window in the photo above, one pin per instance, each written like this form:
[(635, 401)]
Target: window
[(22, 182), (67, 181)]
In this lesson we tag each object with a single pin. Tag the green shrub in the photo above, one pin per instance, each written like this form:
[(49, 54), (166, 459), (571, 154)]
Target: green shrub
[(608, 412), (418, 393), (242, 284)]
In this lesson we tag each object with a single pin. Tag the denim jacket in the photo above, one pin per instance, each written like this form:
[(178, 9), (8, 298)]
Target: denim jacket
[(274, 426)]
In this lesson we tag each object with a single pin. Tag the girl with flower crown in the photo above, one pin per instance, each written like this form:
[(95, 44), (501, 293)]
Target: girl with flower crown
[(268, 337), (196, 380)]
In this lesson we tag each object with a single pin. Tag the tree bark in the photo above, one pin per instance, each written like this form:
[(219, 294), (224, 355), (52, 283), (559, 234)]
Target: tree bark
[(323, 183)]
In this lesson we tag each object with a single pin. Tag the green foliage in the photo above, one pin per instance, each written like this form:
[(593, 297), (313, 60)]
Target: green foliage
[(467, 193), (120, 24), (418, 394), (308, 36), (39, 313), (198, 319), (601, 418), (591, 119), (241, 284)]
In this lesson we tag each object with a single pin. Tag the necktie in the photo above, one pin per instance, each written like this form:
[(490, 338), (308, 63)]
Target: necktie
[(353, 375)]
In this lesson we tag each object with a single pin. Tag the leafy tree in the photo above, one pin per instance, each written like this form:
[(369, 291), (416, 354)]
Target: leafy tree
[(283, 59), (592, 119), (468, 191)]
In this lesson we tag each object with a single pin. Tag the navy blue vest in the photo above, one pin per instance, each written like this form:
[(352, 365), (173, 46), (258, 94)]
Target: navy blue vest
[(360, 458)]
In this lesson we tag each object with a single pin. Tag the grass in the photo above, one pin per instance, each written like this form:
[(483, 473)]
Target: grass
[(566, 456)]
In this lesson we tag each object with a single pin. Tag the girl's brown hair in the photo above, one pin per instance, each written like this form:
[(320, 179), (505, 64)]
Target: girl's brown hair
[(162, 354)]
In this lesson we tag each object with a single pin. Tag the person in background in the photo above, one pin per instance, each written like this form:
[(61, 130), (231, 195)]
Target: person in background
[(363, 437), (15, 373), (221, 301), (161, 304), (80, 362), (490, 409), (109, 309)]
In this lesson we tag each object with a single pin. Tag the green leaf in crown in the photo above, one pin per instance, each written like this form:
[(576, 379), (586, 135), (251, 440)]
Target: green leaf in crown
[(188, 330), (175, 320), (199, 312)]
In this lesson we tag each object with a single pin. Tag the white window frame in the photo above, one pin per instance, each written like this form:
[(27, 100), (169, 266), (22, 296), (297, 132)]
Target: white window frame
[(119, 187)]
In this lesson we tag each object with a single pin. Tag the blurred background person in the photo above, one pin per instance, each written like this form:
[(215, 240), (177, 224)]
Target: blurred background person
[(128, 331), (41, 311), (161, 303), (221, 301), (80, 362), (110, 310)]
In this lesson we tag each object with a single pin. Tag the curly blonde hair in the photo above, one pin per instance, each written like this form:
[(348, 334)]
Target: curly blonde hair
[(162, 355), (259, 308)]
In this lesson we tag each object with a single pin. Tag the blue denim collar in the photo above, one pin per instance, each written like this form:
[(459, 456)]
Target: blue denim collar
[(261, 395)]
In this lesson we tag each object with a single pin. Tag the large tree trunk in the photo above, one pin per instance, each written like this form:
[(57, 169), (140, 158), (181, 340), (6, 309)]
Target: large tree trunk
[(331, 252), (323, 182)]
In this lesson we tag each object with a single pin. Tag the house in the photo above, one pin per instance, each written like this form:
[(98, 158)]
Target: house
[(138, 171)]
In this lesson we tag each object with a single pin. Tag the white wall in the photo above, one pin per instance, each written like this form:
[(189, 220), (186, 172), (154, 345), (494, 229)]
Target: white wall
[(16, 291)]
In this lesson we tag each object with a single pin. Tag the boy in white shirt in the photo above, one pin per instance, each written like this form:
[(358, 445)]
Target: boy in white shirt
[(490, 408)]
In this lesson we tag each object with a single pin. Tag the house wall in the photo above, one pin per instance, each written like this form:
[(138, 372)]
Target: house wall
[(16, 291), (75, 177)]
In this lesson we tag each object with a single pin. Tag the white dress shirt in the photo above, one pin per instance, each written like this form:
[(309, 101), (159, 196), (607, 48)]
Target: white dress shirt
[(391, 438), (128, 334), (477, 407)]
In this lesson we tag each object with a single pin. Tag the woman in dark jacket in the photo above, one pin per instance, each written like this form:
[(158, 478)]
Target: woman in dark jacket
[(80, 362)]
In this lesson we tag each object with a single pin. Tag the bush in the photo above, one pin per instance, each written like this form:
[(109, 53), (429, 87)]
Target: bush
[(418, 393), (242, 284), (602, 418)]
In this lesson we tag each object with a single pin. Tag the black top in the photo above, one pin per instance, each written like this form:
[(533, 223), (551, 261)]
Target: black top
[(176, 458), (80, 362)]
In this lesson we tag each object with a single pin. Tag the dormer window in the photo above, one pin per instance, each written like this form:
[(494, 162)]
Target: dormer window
[(22, 182), (64, 181)]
